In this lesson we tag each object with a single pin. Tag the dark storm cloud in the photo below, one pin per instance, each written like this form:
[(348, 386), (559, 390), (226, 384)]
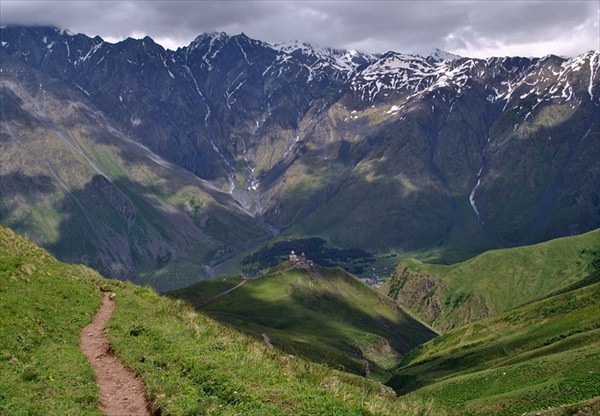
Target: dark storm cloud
[(472, 28)]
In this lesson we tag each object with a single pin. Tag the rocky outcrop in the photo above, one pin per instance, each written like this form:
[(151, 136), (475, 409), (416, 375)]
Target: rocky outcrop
[(433, 300)]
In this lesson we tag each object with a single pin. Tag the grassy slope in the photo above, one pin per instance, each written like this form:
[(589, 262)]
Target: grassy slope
[(500, 279), (542, 354), (535, 270), (206, 288), (326, 315), (43, 307), (189, 363)]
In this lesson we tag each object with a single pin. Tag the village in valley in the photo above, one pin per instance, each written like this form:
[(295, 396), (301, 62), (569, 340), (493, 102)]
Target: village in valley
[(308, 253)]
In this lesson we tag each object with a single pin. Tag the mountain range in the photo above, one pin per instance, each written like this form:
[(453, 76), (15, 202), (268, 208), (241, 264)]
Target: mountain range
[(144, 162)]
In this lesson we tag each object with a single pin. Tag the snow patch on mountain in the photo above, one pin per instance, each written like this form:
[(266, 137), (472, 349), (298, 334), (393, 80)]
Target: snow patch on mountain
[(339, 59), (472, 197), (594, 66), (439, 55), (512, 80), (409, 73)]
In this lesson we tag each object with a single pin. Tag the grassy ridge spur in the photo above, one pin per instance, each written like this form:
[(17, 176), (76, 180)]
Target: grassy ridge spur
[(493, 282), (544, 354), (324, 314)]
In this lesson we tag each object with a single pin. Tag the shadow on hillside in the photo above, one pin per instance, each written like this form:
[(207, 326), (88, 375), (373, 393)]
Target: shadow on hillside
[(122, 227), (103, 199), (321, 326), (562, 323), (18, 184)]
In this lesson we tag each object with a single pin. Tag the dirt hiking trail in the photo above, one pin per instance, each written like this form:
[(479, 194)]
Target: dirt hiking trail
[(121, 393), (245, 280), (221, 294)]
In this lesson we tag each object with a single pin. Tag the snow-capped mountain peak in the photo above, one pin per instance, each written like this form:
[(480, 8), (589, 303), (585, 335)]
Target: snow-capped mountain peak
[(292, 46), (439, 55)]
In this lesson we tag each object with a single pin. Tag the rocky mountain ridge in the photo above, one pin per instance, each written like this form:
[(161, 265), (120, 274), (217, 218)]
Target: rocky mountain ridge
[(72, 181), (392, 152)]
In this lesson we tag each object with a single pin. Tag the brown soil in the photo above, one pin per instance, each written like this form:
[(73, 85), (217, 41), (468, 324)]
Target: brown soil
[(121, 393)]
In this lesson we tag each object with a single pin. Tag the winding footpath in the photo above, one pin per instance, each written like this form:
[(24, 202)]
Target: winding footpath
[(121, 393), (245, 280), (221, 294)]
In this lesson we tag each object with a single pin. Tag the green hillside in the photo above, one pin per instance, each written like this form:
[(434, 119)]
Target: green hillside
[(324, 314), (545, 354), (43, 307), (189, 364), (493, 282)]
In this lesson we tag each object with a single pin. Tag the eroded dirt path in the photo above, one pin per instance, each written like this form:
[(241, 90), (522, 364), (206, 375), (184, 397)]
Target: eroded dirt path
[(121, 393), (221, 294)]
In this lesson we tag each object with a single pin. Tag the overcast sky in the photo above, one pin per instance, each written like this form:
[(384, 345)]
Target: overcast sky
[(469, 28)]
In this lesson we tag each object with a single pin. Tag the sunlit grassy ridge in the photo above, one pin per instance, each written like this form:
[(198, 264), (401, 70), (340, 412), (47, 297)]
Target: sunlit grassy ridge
[(535, 270), (494, 281), (188, 363), (324, 314), (543, 354)]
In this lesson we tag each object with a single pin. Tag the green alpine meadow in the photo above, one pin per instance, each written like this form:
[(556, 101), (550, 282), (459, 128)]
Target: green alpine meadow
[(447, 296), (541, 355)]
